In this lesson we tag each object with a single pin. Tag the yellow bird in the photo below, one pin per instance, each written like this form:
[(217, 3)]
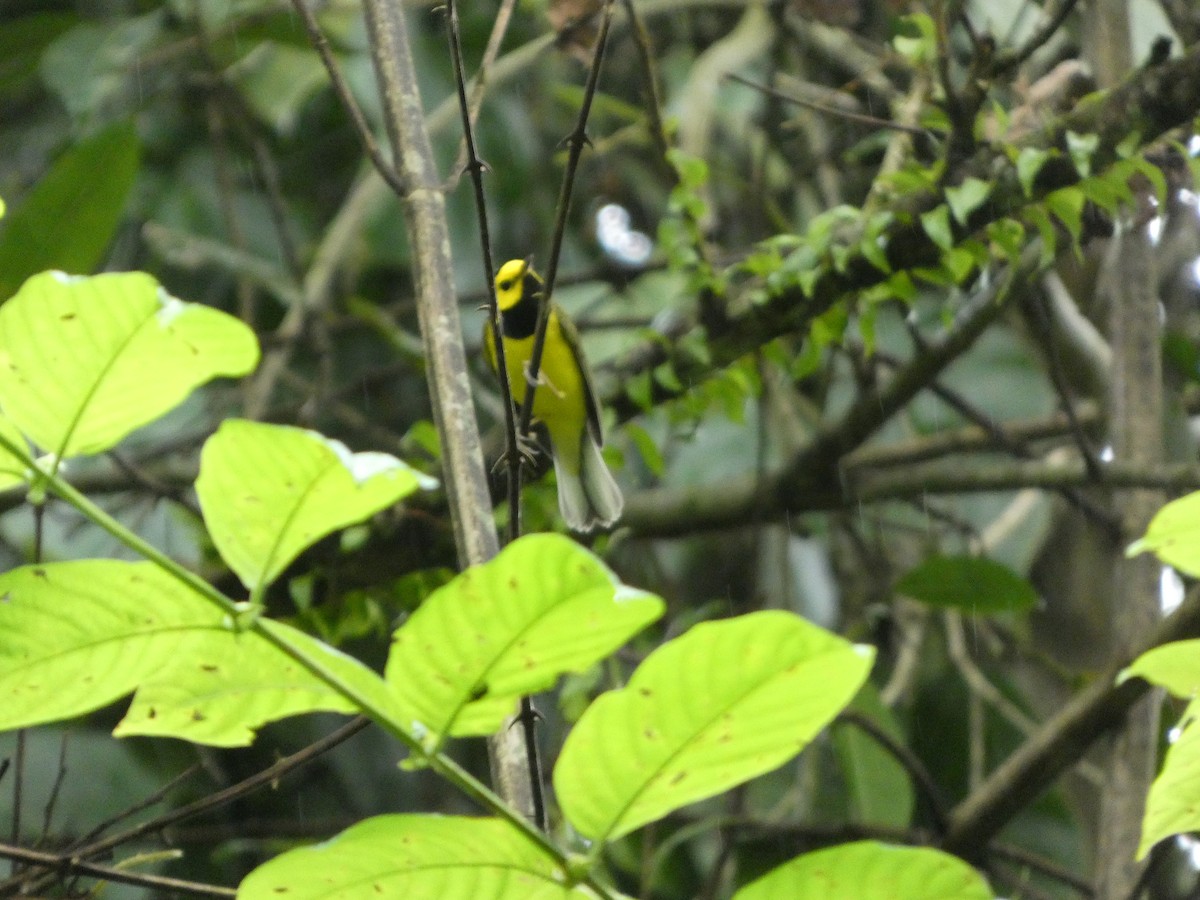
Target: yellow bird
[(565, 400)]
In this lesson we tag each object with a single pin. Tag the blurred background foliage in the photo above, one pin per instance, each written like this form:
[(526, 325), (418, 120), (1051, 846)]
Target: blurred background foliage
[(199, 140)]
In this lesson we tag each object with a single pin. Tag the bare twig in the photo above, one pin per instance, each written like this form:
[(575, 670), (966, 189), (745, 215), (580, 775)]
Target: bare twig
[(575, 144), (912, 764), (63, 865), (340, 86), (846, 114)]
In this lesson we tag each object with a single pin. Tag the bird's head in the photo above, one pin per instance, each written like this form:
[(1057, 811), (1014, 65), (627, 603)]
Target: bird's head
[(514, 280)]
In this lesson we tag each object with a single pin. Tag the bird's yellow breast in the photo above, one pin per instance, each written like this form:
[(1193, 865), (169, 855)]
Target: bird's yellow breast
[(560, 398)]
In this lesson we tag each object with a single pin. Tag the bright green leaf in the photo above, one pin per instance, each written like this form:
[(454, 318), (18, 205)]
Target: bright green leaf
[(967, 197), (1029, 163), (1174, 666), (1174, 535), (510, 627), (75, 636), (869, 870), (959, 262), (1067, 204), (936, 223), (725, 702), (1046, 231), (1008, 235), (85, 361), (229, 684), (873, 247), (971, 584), (917, 40), (415, 856), (1173, 804), (1082, 147), (13, 470), (79, 635), (69, 217), (269, 492)]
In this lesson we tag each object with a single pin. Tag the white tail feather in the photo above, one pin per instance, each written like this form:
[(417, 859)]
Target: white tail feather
[(590, 498)]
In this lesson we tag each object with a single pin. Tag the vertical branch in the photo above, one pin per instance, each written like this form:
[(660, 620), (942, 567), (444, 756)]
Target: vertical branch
[(441, 333), (1135, 423)]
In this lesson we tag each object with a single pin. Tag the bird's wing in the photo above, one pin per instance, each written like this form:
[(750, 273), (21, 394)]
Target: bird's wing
[(571, 336)]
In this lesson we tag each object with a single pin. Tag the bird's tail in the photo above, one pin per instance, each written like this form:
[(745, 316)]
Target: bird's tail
[(589, 498)]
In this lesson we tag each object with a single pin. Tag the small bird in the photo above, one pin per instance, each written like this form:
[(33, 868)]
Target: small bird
[(565, 400)]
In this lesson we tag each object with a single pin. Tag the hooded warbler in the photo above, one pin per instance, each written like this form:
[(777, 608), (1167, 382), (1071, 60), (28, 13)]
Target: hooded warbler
[(565, 400)]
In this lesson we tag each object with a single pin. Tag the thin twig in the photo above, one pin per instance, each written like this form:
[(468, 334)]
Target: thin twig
[(62, 865), (911, 763), (575, 144), (60, 775), (268, 776), (846, 114), (527, 716), (1006, 61), (1043, 866), (365, 136), (479, 83)]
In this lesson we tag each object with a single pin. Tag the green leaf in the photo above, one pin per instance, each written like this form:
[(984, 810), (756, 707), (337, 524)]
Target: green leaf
[(1174, 535), (967, 197), (959, 262), (647, 448), (873, 245), (879, 789), (1111, 189), (1082, 147), (415, 856), (268, 492), (68, 219), (1046, 231), (507, 628), (229, 684), (1174, 666), (75, 636), (1067, 204), (971, 584), (23, 40), (936, 223), (917, 40), (869, 870), (725, 702), (1029, 163), (1155, 176), (85, 361), (277, 80), (1173, 804), (1008, 235)]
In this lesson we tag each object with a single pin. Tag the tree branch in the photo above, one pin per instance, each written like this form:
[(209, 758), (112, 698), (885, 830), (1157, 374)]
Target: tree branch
[(441, 332), (1059, 743)]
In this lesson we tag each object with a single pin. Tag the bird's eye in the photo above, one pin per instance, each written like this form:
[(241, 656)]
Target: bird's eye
[(506, 285)]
